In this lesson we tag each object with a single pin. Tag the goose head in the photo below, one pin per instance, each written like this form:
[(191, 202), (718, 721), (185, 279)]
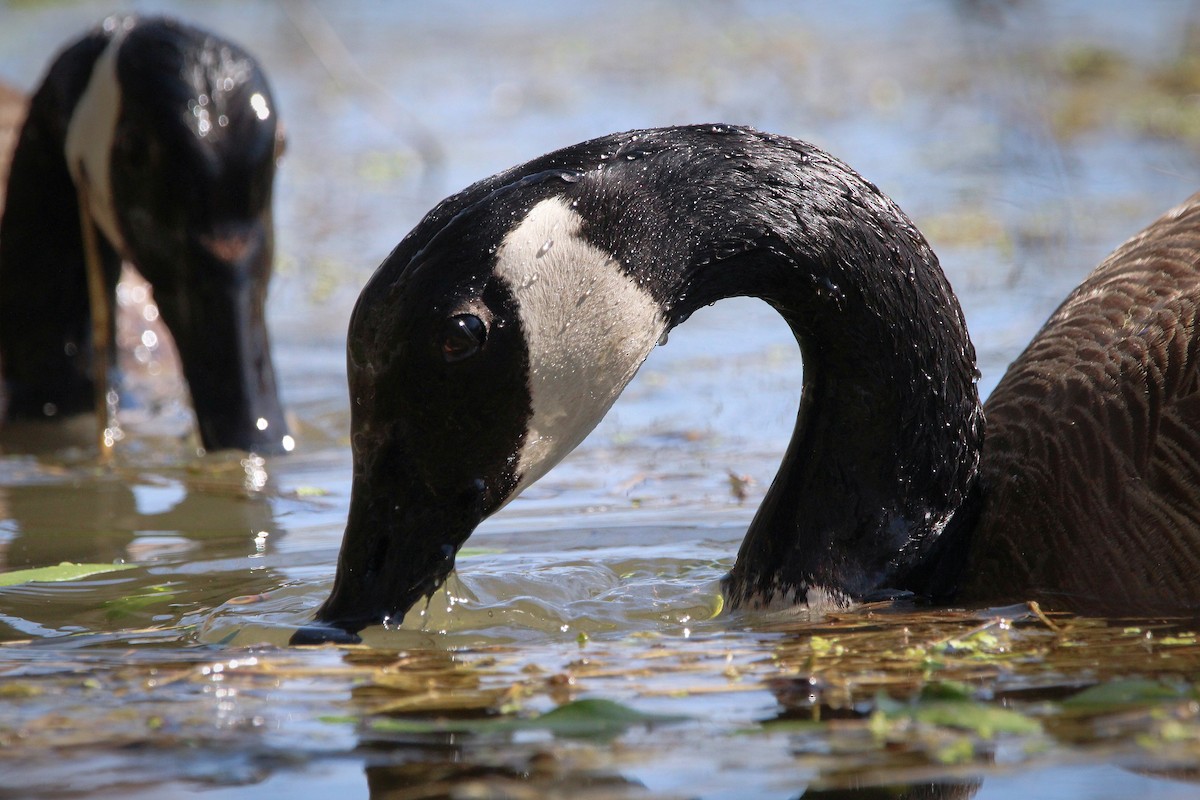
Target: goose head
[(499, 332), (168, 136)]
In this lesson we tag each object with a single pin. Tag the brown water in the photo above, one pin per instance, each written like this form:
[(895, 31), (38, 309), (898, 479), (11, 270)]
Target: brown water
[(1026, 139)]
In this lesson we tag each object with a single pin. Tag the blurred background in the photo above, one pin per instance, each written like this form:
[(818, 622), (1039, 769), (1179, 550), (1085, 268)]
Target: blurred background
[(1025, 138)]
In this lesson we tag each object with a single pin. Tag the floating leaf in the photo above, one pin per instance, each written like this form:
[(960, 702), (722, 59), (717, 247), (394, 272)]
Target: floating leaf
[(980, 644), (136, 603), (786, 726), (19, 691), (472, 552), (980, 718), (333, 719), (949, 705), (593, 717), (822, 645), (946, 690), (1126, 692), (401, 725), (66, 571), (1182, 640), (580, 718)]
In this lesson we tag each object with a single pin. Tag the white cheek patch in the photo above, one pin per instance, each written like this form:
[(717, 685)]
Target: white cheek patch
[(90, 135), (588, 327)]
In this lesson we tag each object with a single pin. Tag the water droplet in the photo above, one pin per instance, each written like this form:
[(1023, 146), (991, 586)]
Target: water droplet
[(259, 104), (827, 288), (256, 473), (112, 435), (261, 423), (663, 339), (545, 248)]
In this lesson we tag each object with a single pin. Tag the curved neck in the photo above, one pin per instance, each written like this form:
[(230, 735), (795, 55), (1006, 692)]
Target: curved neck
[(887, 440)]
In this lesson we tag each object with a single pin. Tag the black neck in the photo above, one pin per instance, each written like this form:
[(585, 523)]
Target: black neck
[(45, 319), (887, 440)]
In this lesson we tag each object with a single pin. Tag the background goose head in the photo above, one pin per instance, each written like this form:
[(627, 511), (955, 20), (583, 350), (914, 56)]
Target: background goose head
[(170, 135), (500, 331)]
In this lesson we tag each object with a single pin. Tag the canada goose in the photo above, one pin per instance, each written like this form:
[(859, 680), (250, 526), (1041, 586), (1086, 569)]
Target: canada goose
[(502, 328), (169, 135)]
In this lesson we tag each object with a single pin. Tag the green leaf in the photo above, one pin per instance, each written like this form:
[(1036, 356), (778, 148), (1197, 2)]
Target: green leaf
[(136, 603), (959, 750), (19, 691), (980, 718), (594, 717), (65, 571), (785, 726), (946, 690), (1183, 640), (1126, 692), (475, 552), (334, 719), (949, 705), (824, 646), (980, 644), (403, 725), (580, 718)]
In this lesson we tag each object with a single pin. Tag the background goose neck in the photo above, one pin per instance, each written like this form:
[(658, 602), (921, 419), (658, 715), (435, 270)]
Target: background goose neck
[(45, 321)]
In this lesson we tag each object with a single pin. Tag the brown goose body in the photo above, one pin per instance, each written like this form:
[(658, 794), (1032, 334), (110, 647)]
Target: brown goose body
[(1091, 463)]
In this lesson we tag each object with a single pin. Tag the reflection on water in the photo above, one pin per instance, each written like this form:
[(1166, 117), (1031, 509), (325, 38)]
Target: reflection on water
[(1027, 139), (194, 547)]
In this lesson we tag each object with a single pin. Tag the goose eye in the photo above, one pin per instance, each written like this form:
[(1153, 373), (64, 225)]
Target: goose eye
[(462, 336)]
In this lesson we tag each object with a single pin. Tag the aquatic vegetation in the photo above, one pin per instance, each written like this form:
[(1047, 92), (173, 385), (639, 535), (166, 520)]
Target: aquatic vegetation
[(65, 571), (891, 692)]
